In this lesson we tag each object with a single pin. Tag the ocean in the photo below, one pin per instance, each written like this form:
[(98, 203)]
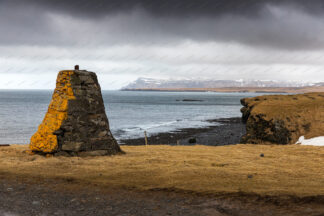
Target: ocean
[(130, 113)]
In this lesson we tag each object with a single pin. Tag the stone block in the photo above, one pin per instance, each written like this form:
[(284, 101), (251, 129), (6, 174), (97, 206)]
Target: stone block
[(76, 120)]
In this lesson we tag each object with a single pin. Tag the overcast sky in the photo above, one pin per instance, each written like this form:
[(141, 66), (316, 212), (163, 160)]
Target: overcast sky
[(122, 40)]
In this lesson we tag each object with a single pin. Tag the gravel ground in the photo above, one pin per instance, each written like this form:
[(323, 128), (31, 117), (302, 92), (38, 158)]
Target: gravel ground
[(53, 198), (18, 199)]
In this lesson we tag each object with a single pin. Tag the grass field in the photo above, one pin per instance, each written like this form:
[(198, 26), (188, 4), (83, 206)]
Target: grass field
[(284, 170)]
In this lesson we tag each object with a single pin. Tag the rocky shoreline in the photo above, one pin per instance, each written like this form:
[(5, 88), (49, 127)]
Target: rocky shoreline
[(228, 132), (268, 119)]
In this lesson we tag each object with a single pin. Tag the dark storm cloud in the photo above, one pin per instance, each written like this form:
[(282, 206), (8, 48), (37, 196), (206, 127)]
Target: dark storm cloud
[(126, 39), (179, 8), (279, 24)]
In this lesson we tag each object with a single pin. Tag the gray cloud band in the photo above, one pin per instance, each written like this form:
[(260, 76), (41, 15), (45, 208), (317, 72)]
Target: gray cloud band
[(178, 8), (274, 24)]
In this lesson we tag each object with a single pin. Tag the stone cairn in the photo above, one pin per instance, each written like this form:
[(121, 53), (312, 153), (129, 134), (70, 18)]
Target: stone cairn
[(75, 123)]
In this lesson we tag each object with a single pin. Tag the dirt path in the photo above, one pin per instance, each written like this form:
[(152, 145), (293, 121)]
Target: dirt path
[(54, 198)]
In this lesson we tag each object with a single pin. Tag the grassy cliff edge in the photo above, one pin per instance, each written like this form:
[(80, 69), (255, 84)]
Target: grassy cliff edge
[(282, 119)]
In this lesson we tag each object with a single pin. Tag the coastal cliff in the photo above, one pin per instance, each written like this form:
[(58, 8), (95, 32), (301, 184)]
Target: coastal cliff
[(76, 122), (282, 119)]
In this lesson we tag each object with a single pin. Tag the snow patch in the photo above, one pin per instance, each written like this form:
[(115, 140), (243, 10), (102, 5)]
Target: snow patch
[(317, 141)]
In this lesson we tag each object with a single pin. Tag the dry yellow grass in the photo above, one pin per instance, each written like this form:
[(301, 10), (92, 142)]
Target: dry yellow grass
[(285, 170)]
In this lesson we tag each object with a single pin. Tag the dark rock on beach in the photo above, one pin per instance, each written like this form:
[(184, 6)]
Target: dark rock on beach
[(191, 100), (192, 140)]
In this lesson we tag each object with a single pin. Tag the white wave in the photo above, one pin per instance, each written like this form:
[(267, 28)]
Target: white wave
[(161, 124)]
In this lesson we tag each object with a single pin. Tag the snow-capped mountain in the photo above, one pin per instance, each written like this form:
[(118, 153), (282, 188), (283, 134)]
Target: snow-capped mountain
[(149, 83)]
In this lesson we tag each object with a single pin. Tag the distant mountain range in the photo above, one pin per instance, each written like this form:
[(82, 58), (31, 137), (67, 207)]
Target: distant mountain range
[(148, 83)]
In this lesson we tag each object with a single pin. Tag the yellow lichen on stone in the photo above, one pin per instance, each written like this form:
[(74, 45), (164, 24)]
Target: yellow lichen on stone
[(44, 140)]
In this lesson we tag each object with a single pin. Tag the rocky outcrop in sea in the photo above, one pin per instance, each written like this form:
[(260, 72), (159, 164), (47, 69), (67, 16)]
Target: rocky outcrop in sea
[(282, 119)]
